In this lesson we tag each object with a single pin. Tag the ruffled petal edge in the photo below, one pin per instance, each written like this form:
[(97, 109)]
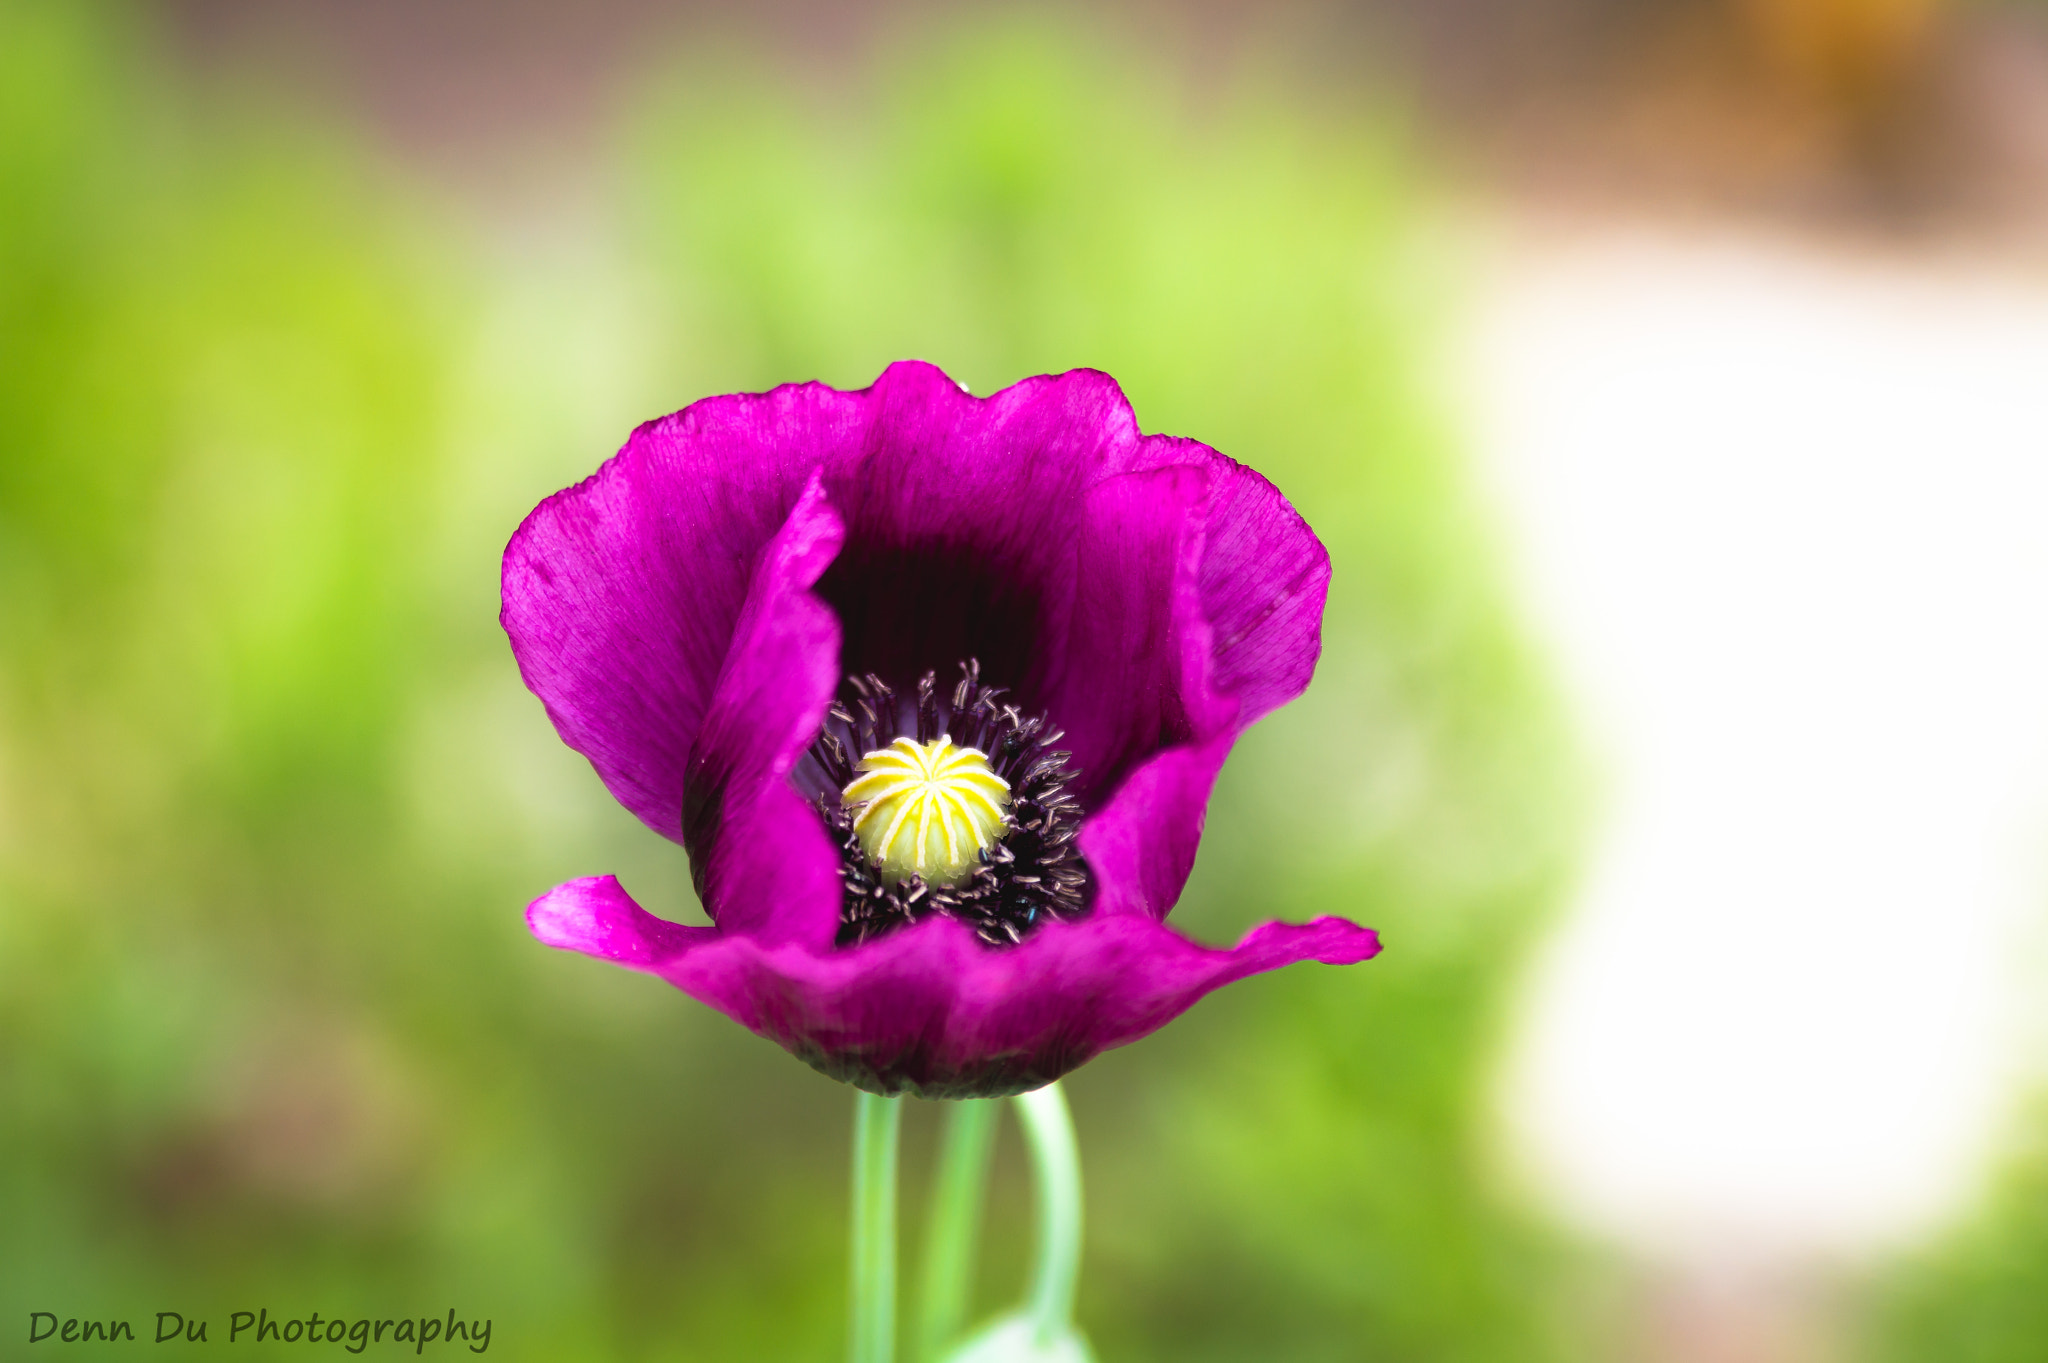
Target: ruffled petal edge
[(930, 1010)]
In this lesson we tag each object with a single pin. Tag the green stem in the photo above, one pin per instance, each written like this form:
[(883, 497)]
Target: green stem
[(966, 1146), (1049, 1131), (876, 1123)]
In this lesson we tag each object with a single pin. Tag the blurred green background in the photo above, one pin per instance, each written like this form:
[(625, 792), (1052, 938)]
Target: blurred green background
[(272, 798)]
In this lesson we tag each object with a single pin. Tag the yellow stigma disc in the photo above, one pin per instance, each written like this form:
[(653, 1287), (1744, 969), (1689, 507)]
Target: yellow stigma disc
[(926, 809)]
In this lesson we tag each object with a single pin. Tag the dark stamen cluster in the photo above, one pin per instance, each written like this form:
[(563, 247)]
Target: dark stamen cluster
[(1033, 873)]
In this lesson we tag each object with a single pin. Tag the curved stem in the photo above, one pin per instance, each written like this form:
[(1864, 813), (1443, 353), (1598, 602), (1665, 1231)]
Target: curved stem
[(1049, 1130), (872, 1314), (949, 1248)]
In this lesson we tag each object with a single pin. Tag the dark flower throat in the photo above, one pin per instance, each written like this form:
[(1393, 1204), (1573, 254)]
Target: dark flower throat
[(1032, 873)]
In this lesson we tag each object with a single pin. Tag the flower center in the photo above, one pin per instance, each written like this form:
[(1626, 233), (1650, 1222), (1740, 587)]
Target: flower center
[(927, 809), (957, 806)]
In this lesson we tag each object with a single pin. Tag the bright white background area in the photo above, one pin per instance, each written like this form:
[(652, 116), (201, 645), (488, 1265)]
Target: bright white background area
[(1781, 516)]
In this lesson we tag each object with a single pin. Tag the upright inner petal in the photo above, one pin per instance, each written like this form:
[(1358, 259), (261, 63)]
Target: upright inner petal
[(927, 809)]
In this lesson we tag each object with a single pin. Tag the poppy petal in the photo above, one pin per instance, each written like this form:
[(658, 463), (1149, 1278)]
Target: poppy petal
[(931, 1010)]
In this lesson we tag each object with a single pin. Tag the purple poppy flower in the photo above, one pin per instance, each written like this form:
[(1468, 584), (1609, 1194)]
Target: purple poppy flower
[(1065, 622)]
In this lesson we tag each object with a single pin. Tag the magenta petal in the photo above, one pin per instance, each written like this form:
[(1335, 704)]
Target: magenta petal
[(762, 860), (1250, 609), (1141, 846), (930, 1010), (1263, 581), (621, 593), (1129, 675), (962, 515), (597, 917)]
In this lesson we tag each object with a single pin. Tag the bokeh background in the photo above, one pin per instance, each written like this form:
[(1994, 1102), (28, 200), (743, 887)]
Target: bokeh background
[(1668, 378)]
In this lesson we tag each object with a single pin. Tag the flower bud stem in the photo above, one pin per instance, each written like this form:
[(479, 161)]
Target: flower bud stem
[(876, 1124), (1056, 1162), (966, 1145)]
